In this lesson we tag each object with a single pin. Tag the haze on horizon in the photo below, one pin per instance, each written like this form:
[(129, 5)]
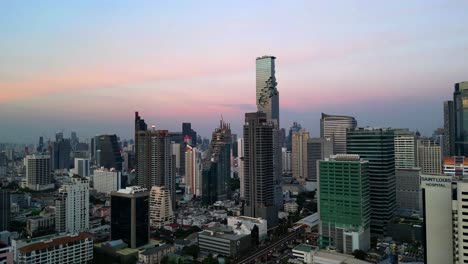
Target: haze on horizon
[(87, 66)]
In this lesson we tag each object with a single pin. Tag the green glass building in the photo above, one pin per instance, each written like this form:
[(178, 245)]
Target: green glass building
[(344, 203), (377, 146)]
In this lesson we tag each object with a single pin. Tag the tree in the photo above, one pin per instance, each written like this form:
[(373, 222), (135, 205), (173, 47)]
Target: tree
[(210, 260), (193, 251), (359, 254), (165, 260)]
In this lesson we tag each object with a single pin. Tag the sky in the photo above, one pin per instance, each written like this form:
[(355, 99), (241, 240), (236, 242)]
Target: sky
[(86, 66)]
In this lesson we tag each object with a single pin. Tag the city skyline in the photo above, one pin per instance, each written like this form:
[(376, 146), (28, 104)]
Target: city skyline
[(129, 60)]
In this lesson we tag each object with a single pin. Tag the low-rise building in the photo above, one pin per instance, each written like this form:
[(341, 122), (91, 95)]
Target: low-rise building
[(291, 207), (304, 253), (40, 225), (154, 255), (243, 225), (224, 242), (75, 248)]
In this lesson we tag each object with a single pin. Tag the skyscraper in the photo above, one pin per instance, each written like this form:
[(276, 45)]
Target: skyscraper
[(155, 164), (72, 206), (344, 203), (449, 129), (188, 131), (294, 128), (334, 127), (267, 93), (60, 153), (317, 149), (259, 161), (108, 152), (4, 210), (267, 96), (38, 173), (377, 146), (130, 216), (405, 149), (429, 157), (299, 155), (193, 170), (161, 213), (460, 96), (240, 166), (217, 166)]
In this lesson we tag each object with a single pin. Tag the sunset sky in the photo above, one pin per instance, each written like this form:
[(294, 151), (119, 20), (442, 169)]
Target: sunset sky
[(87, 66)]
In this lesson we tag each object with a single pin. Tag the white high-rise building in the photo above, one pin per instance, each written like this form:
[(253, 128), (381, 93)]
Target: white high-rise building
[(445, 219), (72, 207), (106, 181), (38, 173), (193, 171), (240, 165), (429, 157), (161, 213), (82, 167), (405, 149)]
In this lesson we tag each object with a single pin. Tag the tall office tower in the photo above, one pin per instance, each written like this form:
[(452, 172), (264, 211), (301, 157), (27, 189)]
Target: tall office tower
[(82, 167), (5, 210), (240, 166), (234, 147), (267, 96), (108, 152), (74, 141), (267, 93), (161, 213), (299, 155), (61, 153), (449, 129), (155, 164), (408, 191), (344, 203), (175, 150), (334, 127), (377, 146), (429, 157), (259, 168), (317, 149), (40, 146), (217, 166), (193, 170), (286, 160), (130, 216), (405, 149), (106, 181), (295, 128), (74, 201), (461, 122), (140, 124), (38, 173), (188, 131)]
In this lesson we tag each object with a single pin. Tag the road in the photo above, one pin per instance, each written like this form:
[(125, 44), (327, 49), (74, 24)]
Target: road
[(264, 251)]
